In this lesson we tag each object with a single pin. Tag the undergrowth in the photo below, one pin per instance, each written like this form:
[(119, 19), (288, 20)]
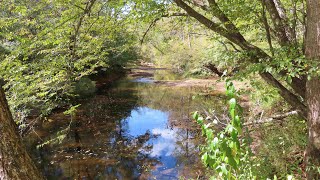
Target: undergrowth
[(268, 151)]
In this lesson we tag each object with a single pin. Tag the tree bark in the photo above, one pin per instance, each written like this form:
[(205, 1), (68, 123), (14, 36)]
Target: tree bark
[(255, 53), (267, 27), (312, 52), (15, 163), (214, 69), (278, 17)]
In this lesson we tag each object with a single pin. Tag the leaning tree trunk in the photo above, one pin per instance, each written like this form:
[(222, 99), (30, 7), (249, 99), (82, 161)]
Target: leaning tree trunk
[(15, 162), (313, 89)]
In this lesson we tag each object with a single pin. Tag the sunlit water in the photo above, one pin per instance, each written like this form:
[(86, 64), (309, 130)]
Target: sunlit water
[(134, 130)]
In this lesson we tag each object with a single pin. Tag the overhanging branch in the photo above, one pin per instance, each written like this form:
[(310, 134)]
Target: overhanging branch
[(255, 53), (233, 36), (153, 23)]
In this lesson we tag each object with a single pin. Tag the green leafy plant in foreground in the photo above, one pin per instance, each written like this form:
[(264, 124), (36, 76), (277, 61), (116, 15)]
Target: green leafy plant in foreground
[(227, 152)]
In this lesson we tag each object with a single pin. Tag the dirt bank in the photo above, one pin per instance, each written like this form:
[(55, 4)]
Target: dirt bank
[(214, 83)]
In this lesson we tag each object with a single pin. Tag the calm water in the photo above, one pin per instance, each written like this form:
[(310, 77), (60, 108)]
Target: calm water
[(134, 130)]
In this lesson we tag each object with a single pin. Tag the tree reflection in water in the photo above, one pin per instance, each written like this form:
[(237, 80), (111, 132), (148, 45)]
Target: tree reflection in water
[(132, 131)]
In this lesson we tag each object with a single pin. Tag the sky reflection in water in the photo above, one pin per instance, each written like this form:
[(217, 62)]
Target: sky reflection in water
[(155, 122), (134, 130)]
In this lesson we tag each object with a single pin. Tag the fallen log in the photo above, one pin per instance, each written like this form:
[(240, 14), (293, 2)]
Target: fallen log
[(278, 117)]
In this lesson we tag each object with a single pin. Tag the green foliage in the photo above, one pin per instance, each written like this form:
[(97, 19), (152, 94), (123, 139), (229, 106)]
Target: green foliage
[(264, 96), (178, 48), (72, 110), (227, 153), (278, 154), (48, 49), (281, 148), (49, 46), (85, 87)]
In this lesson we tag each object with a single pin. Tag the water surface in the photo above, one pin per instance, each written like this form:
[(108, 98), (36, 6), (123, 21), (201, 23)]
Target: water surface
[(136, 129)]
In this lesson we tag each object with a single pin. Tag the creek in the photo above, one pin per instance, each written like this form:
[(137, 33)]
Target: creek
[(134, 129)]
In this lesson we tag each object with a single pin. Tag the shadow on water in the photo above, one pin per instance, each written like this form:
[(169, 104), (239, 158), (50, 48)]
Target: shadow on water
[(135, 130)]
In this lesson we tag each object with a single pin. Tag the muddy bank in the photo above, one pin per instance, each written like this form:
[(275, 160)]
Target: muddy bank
[(215, 84)]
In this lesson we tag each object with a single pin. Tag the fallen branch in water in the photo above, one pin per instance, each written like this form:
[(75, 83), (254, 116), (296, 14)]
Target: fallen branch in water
[(271, 119)]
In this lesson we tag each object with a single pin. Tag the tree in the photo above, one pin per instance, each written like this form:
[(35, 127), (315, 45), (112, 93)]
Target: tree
[(292, 56), (286, 36), (45, 47), (312, 52), (226, 28), (48, 46), (15, 161)]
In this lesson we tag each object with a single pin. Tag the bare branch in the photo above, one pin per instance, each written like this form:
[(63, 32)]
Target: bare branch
[(278, 117)]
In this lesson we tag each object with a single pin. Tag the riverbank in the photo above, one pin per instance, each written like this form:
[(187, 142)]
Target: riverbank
[(210, 86), (134, 128), (216, 83)]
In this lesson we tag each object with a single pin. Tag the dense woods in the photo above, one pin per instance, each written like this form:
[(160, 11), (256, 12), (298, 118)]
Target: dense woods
[(53, 55)]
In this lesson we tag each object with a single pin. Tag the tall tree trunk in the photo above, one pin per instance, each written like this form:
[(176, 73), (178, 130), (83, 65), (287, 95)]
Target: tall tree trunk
[(15, 163), (312, 52)]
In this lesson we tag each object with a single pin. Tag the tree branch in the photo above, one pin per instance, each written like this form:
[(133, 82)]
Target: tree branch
[(255, 54), (272, 119), (156, 47), (233, 46), (74, 37), (288, 96), (222, 17), (234, 37), (213, 69), (153, 23)]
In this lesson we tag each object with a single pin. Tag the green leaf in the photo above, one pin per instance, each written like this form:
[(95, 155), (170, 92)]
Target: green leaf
[(234, 135), (195, 115), (232, 162), (204, 157), (209, 134), (232, 103), (229, 128), (224, 169), (232, 113), (215, 141), (200, 120)]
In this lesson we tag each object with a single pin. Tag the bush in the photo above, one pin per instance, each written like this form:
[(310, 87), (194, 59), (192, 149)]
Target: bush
[(85, 87)]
